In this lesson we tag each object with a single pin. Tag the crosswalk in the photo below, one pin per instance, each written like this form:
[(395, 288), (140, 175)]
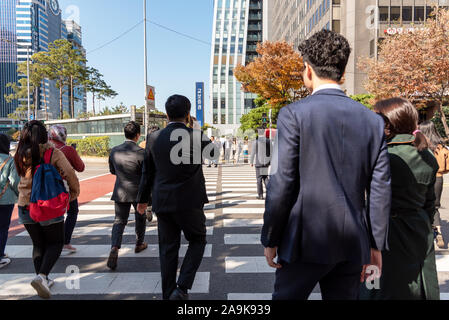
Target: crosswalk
[(233, 267), (84, 274)]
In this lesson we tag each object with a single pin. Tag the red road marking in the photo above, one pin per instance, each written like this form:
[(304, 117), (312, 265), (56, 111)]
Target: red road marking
[(90, 190)]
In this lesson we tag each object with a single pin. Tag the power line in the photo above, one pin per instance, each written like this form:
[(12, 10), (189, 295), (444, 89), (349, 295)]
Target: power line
[(179, 33), (120, 36), (156, 24)]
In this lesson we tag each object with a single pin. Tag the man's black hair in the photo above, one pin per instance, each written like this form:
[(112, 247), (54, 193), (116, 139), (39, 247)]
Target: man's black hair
[(177, 107), (132, 129), (328, 53)]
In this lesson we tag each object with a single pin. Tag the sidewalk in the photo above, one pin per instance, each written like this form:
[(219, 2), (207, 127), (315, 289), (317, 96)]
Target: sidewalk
[(91, 189)]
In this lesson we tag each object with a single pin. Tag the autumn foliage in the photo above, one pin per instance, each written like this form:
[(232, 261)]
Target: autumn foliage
[(413, 65), (276, 75)]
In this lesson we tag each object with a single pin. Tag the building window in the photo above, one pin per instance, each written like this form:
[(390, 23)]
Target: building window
[(429, 11), (395, 13), (419, 13), (371, 48), (407, 14), (336, 1)]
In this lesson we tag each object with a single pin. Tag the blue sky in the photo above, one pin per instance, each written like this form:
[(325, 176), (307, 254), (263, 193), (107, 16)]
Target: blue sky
[(175, 63)]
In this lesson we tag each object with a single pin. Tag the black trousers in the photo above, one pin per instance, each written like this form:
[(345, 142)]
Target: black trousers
[(170, 225), (262, 179), (47, 245), (70, 221), (121, 220), (438, 192), (296, 281)]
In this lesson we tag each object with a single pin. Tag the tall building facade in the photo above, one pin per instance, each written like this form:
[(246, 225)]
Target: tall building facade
[(75, 36), (297, 20), (28, 27), (38, 24), (8, 54), (237, 28)]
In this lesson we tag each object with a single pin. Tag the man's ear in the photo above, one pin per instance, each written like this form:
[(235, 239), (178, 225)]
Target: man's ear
[(309, 72)]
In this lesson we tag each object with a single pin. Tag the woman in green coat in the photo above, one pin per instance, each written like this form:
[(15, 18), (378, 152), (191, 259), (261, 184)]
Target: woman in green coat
[(408, 267)]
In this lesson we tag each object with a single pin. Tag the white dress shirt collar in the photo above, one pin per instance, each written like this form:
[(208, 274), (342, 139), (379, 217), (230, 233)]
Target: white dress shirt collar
[(327, 86)]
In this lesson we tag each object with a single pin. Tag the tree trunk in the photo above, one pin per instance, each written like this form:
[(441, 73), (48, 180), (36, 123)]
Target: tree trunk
[(443, 119), (36, 90), (45, 101), (61, 111), (72, 107)]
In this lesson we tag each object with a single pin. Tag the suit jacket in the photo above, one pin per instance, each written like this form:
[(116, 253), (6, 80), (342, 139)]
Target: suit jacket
[(261, 152), (331, 152), (125, 162), (173, 172)]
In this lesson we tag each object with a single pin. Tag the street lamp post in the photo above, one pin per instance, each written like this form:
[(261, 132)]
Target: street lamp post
[(145, 64)]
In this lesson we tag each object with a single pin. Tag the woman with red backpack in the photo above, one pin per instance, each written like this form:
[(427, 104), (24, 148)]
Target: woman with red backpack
[(42, 168)]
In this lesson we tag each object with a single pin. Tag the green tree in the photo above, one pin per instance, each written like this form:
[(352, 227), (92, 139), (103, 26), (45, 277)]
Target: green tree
[(94, 83), (253, 119), (365, 99), (61, 63)]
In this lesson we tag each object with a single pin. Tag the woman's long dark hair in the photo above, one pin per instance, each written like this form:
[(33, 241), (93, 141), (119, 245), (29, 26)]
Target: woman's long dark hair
[(401, 117), (430, 131), (33, 134)]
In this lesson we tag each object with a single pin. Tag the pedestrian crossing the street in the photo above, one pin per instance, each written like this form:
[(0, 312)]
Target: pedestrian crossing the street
[(84, 274), (233, 268)]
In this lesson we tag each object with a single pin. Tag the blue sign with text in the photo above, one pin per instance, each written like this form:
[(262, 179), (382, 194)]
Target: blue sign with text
[(199, 97)]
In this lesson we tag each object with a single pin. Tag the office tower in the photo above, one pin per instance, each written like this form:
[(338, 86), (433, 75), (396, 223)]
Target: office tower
[(297, 20), (237, 28), (8, 54), (74, 35)]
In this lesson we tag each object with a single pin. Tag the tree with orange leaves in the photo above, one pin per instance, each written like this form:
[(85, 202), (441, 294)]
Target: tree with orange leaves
[(276, 75), (413, 65)]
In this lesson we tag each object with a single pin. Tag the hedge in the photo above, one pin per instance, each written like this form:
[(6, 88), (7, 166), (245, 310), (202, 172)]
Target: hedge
[(91, 146)]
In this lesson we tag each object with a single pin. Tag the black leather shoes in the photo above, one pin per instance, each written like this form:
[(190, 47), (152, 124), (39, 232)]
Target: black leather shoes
[(177, 294), (260, 198), (112, 261), (149, 215)]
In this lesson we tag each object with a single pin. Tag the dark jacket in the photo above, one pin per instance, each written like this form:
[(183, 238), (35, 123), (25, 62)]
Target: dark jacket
[(173, 171), (125, 162), (330, 152), (409, 268), (261, 152)]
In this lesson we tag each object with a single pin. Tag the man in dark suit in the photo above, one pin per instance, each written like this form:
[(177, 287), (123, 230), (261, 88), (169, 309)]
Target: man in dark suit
[(330, 153), (125, 162), (261, 159), (173, 174)]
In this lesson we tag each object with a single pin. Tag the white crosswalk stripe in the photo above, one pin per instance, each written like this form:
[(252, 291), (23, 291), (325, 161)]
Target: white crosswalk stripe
[(91, 238)]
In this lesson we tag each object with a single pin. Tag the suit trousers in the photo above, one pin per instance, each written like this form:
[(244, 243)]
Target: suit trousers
[(296, 281), (262, 179), (122, 210), (170, 225), (438, 191)]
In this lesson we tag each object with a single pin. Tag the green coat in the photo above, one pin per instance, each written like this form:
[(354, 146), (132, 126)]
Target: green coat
[(9, 173), (409, 268)]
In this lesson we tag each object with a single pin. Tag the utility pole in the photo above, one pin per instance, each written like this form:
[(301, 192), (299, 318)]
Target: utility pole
[(145, 64)]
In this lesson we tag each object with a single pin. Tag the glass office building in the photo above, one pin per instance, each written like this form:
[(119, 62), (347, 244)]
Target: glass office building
[(237, 28), (30, 25), (74, 35), (297, 20), (8, 54)]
